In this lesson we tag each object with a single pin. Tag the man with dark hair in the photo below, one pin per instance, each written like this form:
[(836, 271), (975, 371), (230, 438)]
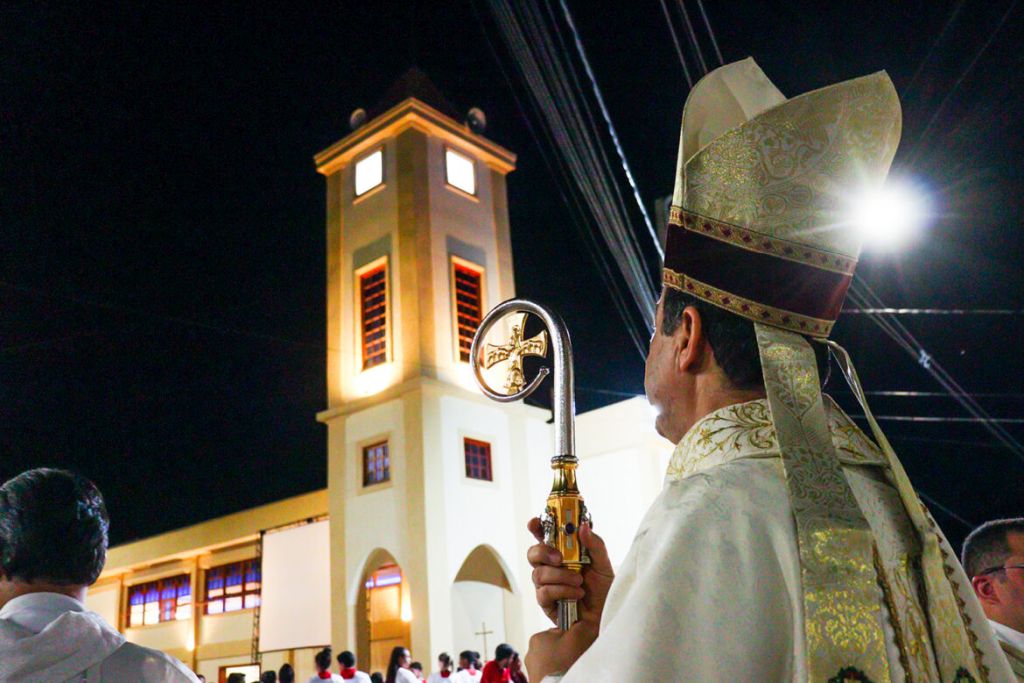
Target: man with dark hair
[(785, 545), (993, 557), (53, 545), (347, 662), (496, 670)]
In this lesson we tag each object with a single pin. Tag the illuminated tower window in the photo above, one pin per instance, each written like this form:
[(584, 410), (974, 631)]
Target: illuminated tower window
[(369, 172), (373, 298), (459, 171), (376, 464), (467, 295), (478, 459)]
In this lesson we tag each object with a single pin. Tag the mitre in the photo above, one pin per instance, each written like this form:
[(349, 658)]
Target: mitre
[(760, 214)]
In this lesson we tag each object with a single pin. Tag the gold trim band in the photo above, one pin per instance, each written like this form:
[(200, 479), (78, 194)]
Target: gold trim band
[(755, 241), (778, 317)]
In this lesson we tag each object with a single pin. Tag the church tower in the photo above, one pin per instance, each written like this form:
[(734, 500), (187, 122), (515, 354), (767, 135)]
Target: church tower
[(425, 476)]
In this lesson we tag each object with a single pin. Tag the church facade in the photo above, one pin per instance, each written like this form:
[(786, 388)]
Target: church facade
[(430, 485)]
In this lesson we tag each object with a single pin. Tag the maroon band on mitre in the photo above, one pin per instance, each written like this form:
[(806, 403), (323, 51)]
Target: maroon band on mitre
[(771, 281)]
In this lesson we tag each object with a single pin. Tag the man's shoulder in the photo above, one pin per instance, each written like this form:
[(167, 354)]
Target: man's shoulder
[(146, 665)]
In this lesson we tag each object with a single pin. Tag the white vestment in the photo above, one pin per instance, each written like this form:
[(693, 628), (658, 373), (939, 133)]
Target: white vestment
[(710, 589), (465, 676), (52, 638), (360, 677), (436, 677), (1012, 642)]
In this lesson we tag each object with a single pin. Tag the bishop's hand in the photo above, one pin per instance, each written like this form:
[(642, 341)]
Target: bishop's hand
[(554, 583)]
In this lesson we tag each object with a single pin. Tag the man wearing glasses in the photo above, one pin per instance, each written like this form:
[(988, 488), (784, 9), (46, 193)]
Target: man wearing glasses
[(993, 556)]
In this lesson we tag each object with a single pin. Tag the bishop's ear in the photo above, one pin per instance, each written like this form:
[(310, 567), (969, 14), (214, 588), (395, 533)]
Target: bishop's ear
[(689, 340)]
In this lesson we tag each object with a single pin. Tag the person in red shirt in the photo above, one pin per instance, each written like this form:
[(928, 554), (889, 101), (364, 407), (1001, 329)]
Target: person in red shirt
[(496, 670)]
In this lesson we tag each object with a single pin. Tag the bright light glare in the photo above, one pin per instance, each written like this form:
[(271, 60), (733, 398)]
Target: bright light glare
[(891, 215)]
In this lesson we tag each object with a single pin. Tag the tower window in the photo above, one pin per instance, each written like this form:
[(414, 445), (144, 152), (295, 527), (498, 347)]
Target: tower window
[(376, 464), (459, 171), (373, 300), (467, 295), (478, 459), (369, 172), (158, 601)]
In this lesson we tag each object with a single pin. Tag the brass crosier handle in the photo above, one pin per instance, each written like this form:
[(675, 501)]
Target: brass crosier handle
[(565, 510)]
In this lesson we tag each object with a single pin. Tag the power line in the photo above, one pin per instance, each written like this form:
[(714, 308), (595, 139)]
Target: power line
[(611, 126), (675, 41), (711, 32), (933, 311)]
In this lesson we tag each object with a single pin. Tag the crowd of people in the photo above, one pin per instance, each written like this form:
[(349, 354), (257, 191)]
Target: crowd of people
[(506, 667)]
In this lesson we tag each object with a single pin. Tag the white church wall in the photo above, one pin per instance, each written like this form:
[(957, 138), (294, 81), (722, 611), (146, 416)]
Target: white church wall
[(622, 466), (374, 516), (226, 628), (105, 601), (169, 636), (474, 606)]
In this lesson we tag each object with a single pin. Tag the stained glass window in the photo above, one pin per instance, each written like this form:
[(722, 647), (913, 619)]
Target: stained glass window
[(478, 459), (468, 305), (373, 297), (168, 599), (376, 464), (232, 587)]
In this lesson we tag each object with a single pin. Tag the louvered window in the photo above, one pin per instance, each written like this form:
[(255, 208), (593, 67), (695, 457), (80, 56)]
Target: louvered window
[(468, 295), (373, 297)]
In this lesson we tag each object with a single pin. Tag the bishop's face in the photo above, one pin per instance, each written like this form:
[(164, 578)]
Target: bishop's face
[(663, 383)]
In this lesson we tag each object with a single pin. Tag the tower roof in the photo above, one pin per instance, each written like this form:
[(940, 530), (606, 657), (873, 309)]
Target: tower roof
[(415, 83)]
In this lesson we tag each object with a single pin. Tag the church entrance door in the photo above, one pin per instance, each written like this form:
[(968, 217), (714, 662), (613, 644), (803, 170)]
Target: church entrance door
[(384, 606)]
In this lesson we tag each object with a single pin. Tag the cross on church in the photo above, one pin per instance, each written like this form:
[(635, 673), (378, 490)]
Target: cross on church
[(513, 351), (484, 632)]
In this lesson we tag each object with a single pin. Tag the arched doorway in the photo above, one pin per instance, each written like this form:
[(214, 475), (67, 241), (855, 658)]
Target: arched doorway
[(481, 596), (382, 611)]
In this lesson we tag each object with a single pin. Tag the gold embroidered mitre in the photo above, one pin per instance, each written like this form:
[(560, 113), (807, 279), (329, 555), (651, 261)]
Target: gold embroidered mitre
[(759, 220)]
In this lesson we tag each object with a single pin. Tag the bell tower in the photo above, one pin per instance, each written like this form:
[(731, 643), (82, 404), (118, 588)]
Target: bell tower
[(418, 250), (417, 242)]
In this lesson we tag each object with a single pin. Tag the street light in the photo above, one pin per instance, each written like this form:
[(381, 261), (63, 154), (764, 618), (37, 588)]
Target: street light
[(890, 216)]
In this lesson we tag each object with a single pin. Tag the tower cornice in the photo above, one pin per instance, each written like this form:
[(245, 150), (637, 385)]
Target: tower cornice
[(412, 113)]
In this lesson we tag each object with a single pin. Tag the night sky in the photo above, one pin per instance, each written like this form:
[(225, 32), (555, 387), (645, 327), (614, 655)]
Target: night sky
[(162, 225)]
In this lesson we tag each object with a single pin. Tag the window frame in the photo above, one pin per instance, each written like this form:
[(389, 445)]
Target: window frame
[(472, 162), (456, 263), (361, 272), (363, 447), (359, 196), (159, 584), (245, 592), (466, 442)]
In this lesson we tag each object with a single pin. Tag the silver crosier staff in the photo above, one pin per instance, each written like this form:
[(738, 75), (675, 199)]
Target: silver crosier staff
[(565, 509)]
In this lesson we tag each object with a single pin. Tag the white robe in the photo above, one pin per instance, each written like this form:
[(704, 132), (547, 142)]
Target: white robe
[(52, 638), (710, 589)]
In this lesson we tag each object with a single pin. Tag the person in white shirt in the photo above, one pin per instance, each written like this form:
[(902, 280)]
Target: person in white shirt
[(444, 670), (469, 668), (993, 557), (347, 661), (398, 667), (322, 660), (53, 545)]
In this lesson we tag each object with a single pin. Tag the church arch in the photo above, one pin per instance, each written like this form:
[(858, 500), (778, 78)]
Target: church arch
[(485, 564), (482, 600), (381, 604)]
